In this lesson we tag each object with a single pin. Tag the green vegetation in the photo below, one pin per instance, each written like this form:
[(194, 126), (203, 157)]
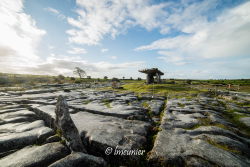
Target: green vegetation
[(173, 90), (22, 80), (222, 146), (17, 82), (145, 105), (107, 103), (242, 103), (207, 122), (168, 86), (86, 102), (157, 88), (58, 133), (233, 117), (181, 105)]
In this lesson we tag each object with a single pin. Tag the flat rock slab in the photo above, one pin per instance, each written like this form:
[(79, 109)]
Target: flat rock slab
[(19, 128), (112, 109), (48, 109), (9, 141), (106, 131), (35, 156), (80, 159)]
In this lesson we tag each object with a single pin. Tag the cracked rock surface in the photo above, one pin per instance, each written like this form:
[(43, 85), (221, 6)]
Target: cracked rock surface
[(197, 131), (193, 133)]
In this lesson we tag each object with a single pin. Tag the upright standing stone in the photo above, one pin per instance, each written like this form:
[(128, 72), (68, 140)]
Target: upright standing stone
[(65, 124)]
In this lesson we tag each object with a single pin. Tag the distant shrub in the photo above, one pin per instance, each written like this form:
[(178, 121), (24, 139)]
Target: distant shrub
[(67, 90), (4, 81), (172, 82), (61, 77), (56, 79), (77, 81), (234, 98), (19, 80), (115, 80)]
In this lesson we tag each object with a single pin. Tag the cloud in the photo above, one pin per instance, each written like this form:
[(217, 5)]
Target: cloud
[(113, 57), (52, 10), (20, 36), (224, 37), (51, 47), (172, 58), (55, 65), (76, 50), (55, 12), (104, 50), (205, 43), (226, 69), (97, 19)]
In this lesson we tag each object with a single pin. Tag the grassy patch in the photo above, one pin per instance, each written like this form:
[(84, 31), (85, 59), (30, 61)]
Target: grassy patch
[(232, 117), (86, 102), (207, 122), (243, 104), (181, 105), (145, 105), (107, 102), (6, 89), (58, 133), (162, 109), (222, 146), (162, 89), (193, 127)]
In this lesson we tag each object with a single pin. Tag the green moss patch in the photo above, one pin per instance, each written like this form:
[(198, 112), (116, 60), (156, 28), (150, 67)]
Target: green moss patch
[(222, 146), (107, 103)]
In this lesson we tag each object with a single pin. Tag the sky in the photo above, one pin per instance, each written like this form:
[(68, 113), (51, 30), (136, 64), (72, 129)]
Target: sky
[(195, 39)]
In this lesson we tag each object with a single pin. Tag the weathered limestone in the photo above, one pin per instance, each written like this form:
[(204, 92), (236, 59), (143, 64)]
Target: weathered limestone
[(189, 137), (80, 159), (20, 128), (99, 132), (190, 132), (156, 106), (246, 121), (116, 109), (65, 124), (35, 156)]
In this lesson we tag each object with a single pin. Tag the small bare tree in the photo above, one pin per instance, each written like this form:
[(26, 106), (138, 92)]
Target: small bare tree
[(80, 72)]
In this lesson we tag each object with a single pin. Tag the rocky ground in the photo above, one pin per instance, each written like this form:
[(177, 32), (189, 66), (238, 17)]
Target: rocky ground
[(205, 130)]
